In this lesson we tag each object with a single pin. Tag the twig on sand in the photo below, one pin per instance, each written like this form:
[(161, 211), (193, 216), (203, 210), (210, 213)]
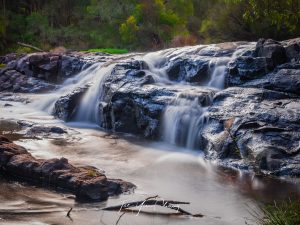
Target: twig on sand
[(69, 212), (120, 217)]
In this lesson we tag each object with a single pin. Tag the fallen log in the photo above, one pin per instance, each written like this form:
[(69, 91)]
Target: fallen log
[(30, 46)]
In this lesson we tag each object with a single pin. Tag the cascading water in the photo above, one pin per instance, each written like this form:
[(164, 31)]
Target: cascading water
[(185, 115), (88, 108), (85, 77), (183, 119)]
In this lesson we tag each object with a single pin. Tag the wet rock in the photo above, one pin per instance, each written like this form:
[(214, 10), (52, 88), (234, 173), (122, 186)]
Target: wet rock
[(70, 65), (65, 107), (12, 80), (247, 68), (264, 127), (285, 78), (38, 130), (132, 105), (189, 70), (86, 183), (252, 124), (39, 69), (271, 49), (292, 48)]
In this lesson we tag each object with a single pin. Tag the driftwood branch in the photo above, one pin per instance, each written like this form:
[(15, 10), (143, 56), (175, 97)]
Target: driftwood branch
[(120, 218), (30, 46), (69, 212), (170, 204)]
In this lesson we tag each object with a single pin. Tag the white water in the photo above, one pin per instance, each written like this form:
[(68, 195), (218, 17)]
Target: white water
[(80, 80), (88, 109), (183, 118)]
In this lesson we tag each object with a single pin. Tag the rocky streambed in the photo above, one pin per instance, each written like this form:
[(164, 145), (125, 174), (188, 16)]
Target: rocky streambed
[(236, 104)]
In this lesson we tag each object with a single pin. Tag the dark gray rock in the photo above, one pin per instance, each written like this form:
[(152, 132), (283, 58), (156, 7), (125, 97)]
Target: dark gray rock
[(12, 80), (38, 130), (65, 107), (271, 49), (285, 78), (264, 129), (70, 66), (252, 124), (247, 68), (189, 70), (292, 48)]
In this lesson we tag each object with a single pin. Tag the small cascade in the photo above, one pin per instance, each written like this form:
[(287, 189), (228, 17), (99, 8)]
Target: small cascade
[(218, 73), (183, 119), (80, 80), (88, 110)]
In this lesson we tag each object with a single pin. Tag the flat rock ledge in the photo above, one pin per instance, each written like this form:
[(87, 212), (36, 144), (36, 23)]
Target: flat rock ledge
[(87, 183)]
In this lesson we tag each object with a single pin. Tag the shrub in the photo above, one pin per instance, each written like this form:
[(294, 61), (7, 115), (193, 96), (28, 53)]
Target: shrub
[(285, 213)]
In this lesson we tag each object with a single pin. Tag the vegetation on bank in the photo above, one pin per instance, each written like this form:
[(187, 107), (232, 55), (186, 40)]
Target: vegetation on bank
[(143, 24), (285, 213)]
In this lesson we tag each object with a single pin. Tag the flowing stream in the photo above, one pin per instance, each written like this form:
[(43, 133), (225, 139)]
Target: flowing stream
[(169, 168)]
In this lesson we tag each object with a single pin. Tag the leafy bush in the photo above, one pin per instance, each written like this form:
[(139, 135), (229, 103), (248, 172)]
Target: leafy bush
[(144, 24)]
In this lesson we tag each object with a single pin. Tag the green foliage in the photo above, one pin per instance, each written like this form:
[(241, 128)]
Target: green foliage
[(2, 66), (128, 30), (108, 50), (286, 213), (143, 24)]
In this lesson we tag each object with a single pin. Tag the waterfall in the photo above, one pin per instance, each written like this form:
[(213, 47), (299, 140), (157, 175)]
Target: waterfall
[(89, 105), (185, 115), (183, 119), (47, 101)]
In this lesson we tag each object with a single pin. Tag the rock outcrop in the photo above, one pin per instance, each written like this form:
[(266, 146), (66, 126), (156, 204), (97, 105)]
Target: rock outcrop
[(251, 120), (257, 125), (42, 71), (87, 183)]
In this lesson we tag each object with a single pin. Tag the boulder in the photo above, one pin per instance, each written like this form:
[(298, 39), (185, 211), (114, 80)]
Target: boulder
[(292, 48), (271, 49), (65, 107), (286, 78), (260, 127), (246, 68), (87, 183), (12, 80), (189, 70)]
